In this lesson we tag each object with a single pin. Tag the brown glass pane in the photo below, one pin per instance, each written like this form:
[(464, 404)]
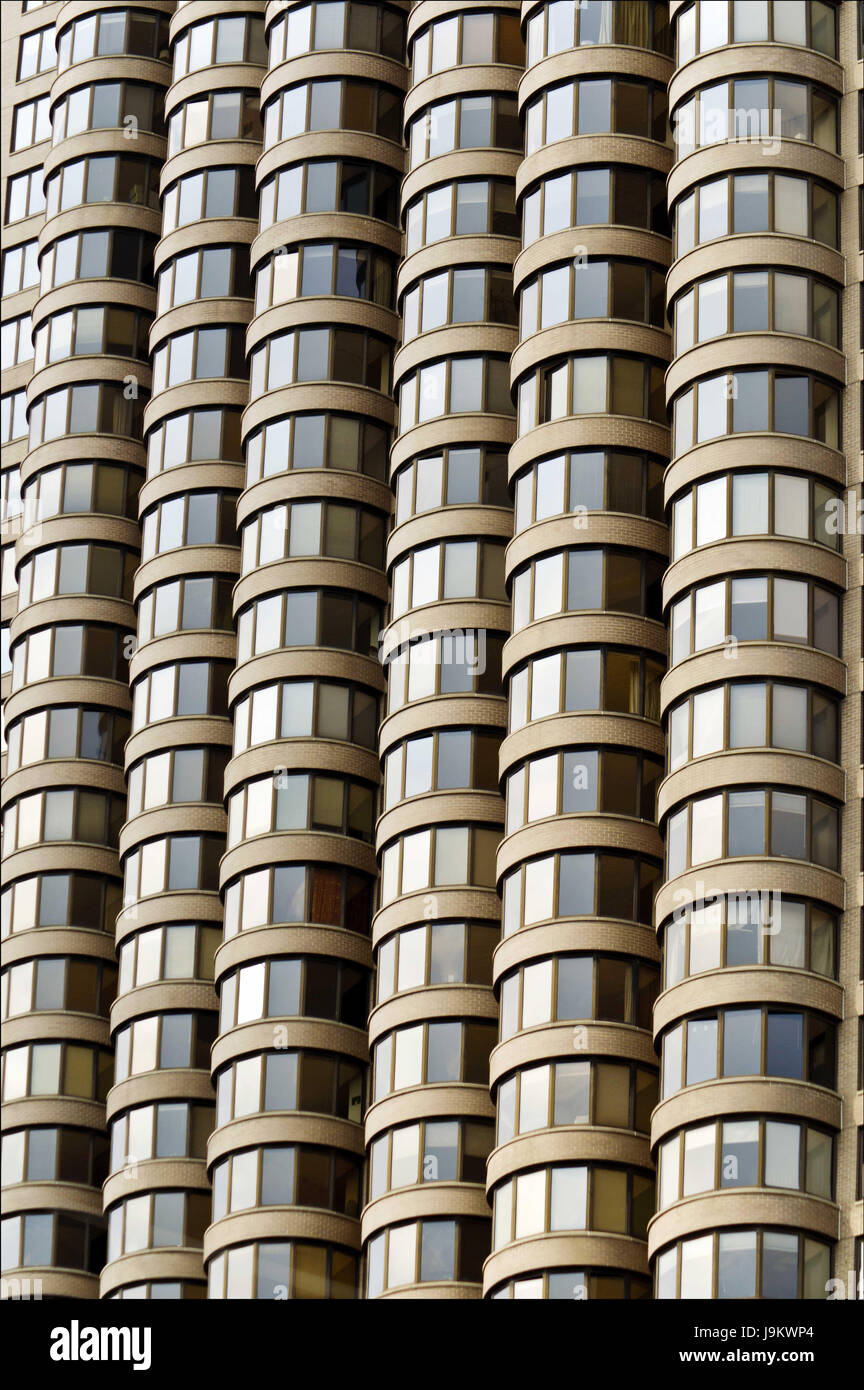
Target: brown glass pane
[(620, 783), (614, 989), (310, 1271), (313, 1178), (608, 1200), (326, 897), (316, 1083)]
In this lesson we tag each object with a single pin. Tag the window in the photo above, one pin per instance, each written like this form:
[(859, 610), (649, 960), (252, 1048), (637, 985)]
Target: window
[(776, 715), (469, 122), (465, 208), (441, 1051), (443, 761), (441, 953), (199, 353), (308, 618), (452, 854), (322, 1083), (91, 408), (274, 1269), (578, 987), (176, 864), (128, 179), (63, 1239), (427, 1251), (749, 1042), (200, 518), (757, 301), (458, 385), (584, 679), (589, 385), (89, 816), (755, 609), (58, 983), (57, 899), (724, 1265), (702, 27), (195, 603), (595, 106), (70, 649), (288, 987), (184, 775), (575, 1283), (68, 731), (83, 487), (20, 267), (326, 268), (298, 709), (746, 1153), (774, 823), (24, 196), (232, 39), (181, 688), (93, 331), (77, 569), (60, 1154), (576, 884), (133, 33), (322, 354), (580, 780), (214, 192), (183, 951), (217, 272), (368, 190), (14, 417), (465, 295), (120, 254), (318, 441), (616, 481), (31, 123), (484, 37), (192, 436), (36, 52), (224, 115), (745, 504), (57, 1069), (166, 1130), (131, 106), (279, 1175), (605, 1092), (444, 663), (364, 27), (621, 195), (297, 892), (432, 1151), (592, 289), (343, 531), (784, 203), (157, 1219), (583, 580), (757, 109), (557, 27), (333, 105), (452, 477), (450, 569), (572, 1198), (298, 800), (167, 1040)]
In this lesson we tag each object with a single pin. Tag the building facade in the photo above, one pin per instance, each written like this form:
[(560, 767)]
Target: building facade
[(432, 649)]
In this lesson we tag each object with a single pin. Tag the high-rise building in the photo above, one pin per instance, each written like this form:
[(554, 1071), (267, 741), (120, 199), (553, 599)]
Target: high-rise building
[(432, 665)]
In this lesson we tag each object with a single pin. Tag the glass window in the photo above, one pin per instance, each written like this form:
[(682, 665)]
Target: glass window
[(701, 1050)]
